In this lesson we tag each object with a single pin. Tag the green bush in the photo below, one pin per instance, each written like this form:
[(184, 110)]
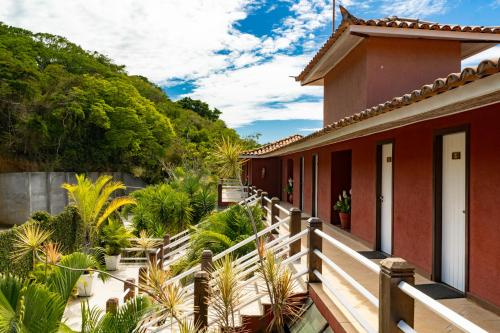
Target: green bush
[(66, 228), (219, 232), (21, 267)]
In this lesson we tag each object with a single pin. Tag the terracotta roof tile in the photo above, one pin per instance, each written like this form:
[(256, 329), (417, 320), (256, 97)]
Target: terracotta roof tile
[(391, 22), (453, 80), (270, 147)]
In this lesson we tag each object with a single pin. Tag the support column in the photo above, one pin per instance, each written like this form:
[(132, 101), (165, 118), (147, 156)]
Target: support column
[(143, 278), (112, 305), (219, 193), (314, 242), (166, 243), (294, 227), (152, 257), (207, 264), (394, 304), (201, 300), (130, 285), (274, 212)]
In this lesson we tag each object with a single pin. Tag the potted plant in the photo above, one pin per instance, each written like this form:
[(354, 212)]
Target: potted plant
[(114, 238), (343, 207), (289, 190)]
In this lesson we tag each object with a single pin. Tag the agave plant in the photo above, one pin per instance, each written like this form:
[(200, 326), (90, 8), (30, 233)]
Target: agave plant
[(29, 240), (92, 200)]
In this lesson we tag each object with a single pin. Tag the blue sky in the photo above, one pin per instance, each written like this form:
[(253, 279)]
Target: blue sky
[(237, 55), (266, 17)]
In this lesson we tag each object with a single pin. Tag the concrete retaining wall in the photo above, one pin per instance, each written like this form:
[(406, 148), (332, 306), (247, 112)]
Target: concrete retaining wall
[(22, 193)]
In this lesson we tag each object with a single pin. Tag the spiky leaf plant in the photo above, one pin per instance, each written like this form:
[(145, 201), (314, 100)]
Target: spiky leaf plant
[(227, 293), (283, 291), (29, 240)]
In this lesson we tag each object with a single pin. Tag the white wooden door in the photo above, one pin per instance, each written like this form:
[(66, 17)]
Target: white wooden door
[(386, 200), (453, 210)]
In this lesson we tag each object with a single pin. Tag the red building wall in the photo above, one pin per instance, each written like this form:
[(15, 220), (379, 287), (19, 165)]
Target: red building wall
[(271, 181), (413, 192)]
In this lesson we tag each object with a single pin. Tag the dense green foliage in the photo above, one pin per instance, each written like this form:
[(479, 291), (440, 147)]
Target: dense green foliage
[(218, 232), (169, 208), (66, 230), (199, 107), (33, 306), (64, 108)]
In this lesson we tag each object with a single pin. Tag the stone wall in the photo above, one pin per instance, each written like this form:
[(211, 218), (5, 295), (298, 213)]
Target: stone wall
[(22, 193)]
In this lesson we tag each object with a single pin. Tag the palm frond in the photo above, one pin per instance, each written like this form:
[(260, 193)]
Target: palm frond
[(29, 239)]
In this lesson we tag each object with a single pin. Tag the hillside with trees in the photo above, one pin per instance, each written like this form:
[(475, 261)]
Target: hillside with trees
[(66, 109)]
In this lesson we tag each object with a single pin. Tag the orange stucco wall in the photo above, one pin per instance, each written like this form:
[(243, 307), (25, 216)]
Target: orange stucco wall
[(413, 192), (379, 69)]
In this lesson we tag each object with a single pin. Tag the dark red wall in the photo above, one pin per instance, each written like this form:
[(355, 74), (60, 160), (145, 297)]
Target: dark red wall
[(413, 192), (271, 182)]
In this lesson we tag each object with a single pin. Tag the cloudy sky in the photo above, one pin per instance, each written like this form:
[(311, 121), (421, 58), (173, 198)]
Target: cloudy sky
[(237, 55)]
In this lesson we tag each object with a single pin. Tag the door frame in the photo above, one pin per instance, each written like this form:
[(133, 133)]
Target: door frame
[(301, 182), (437, 209), (314, 185), (378, 190)]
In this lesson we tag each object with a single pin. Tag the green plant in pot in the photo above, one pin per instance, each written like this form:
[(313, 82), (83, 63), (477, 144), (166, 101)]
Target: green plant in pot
[(343, 207), (289, 189), (114, 238)]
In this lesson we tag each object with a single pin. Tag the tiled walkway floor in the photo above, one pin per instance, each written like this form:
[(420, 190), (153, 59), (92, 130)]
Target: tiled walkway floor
[(425, 320), (102, 292)]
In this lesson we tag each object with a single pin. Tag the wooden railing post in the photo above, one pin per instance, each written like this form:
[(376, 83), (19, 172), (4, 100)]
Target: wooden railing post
[(263, 202), (130, 285), (274, 212), (294, 227), (201, 300), (166, 250), (219, 193), (143, 278), (152, 257), (314, 242), (394, 304), (207, 264), (112, 305)]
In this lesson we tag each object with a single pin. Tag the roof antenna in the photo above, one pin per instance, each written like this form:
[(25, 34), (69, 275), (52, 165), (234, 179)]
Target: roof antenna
[(333, 17)]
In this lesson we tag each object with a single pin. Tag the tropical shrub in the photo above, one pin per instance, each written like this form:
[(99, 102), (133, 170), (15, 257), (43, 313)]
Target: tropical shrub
[(66, 228), (29, 306), (114, 237), (219, 232), (161, 209), (7, 265), (93, 201)]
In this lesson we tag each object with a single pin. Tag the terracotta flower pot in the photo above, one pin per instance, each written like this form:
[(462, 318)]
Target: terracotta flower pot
[(345, 220), (290, 198)]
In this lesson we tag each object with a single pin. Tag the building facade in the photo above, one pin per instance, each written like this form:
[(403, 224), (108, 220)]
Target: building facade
[(413, 137)]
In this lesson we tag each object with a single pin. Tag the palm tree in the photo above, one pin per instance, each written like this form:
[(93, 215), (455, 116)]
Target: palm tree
[(92, 200)]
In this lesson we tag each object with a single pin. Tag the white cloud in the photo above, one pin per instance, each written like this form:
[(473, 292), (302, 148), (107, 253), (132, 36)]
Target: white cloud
[(248, 94), (155, 38), (492, 53), (175, 40), (413, 8)]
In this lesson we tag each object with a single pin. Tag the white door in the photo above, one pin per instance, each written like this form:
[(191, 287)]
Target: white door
[(453, 211), (386, 200)]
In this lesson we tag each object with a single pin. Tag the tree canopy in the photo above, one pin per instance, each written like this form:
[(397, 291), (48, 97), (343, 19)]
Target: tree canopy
[(66, 109)]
